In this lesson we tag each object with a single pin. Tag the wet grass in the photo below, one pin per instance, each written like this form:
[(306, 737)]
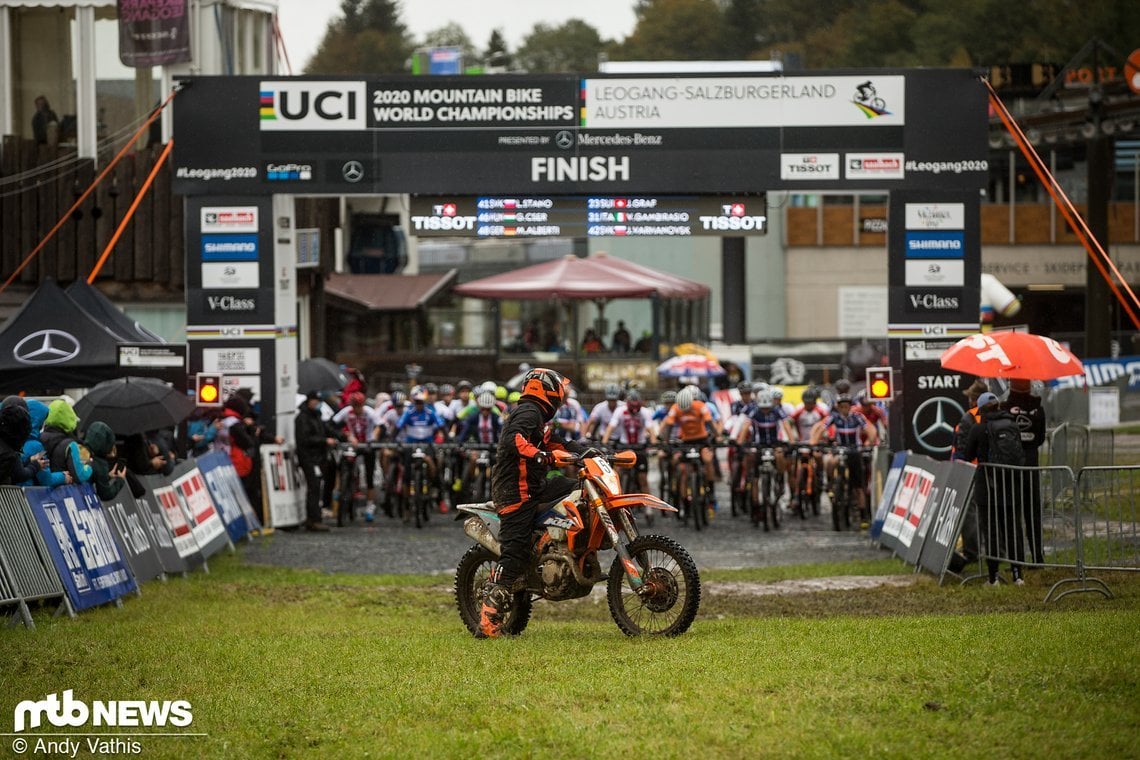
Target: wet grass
[(285, 663)]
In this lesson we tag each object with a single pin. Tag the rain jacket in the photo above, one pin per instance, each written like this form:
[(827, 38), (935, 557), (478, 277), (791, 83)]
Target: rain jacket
[(64, 451), (100, 439), (15, 422), (45, 477)]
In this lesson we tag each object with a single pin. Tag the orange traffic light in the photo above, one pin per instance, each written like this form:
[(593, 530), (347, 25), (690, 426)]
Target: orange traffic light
[(880, 384), (209, 389)]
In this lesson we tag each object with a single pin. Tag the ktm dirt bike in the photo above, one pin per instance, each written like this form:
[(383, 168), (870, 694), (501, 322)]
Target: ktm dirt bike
[(652, 586)]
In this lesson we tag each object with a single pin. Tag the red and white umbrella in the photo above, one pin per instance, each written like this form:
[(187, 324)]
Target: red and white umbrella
[(1012, 355), (690, 365)]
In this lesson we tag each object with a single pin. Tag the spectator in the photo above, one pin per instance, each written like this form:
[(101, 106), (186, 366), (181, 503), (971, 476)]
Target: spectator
[(32, 446), (644, 344), (1030, 418), (313, 446), (62, 448), (148, 454), (15, 426), (45, 124), (202, 429), (591, 343), (107, 478), (971, 417), (996, 440), (620, 343)]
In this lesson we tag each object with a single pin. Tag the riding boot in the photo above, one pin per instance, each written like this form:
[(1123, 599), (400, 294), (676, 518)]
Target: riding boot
[(496, 607)]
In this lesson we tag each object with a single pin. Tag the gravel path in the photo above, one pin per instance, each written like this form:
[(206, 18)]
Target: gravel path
[(387, 546)]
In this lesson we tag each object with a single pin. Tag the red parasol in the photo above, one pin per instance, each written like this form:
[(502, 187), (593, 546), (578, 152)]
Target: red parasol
[(1012, 355)]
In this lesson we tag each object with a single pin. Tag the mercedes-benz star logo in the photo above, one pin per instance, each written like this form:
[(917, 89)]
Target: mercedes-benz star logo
[(934, 421), (46, 347), (564, 139), (352, 171)]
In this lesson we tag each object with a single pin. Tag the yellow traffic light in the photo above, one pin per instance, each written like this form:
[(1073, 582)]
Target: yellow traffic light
[(209, 389), (880, 384)]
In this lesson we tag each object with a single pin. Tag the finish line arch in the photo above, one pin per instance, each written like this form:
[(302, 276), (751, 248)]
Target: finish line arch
[(246, 145)]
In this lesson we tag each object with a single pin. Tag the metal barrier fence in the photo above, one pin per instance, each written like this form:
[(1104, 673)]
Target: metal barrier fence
[(24, 558), (1109, 517), (1040, 517), (1079, 446)]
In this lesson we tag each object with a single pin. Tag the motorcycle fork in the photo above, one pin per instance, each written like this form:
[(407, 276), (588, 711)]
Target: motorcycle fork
[(631, 571)]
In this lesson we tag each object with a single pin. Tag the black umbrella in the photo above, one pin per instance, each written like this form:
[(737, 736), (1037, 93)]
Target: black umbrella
[(319, 375), (132, 405)]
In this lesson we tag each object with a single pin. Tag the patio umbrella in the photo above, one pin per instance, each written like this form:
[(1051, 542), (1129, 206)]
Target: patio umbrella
[(690, 365), (1012, 355), (132, 405), (319, 375)]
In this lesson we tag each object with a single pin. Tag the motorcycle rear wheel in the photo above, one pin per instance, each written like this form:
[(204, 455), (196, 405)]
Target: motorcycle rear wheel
[(470, 577), (670, 572)]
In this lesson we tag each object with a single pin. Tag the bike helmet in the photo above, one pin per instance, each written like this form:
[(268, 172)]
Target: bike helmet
[(501, 392), (613, 392), (485, 400), (398, 399), (514, 397), (430, 388), (685, 398), (446, 389), (777, 394), (356, 398), (668, 398), (810, 396), (764, 399), (842, 387), (546, 388), (760, 385), (744, 386), (419, 396), (381, 397), (633, 401), (464, 385)]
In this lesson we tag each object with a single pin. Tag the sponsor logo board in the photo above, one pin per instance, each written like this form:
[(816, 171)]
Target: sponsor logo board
[(935, 272), (935, 216), (874, 166), (229, 219), (809, 166), (229, 247), (312, 106), (230, 274), (935, 245), (921, 302)]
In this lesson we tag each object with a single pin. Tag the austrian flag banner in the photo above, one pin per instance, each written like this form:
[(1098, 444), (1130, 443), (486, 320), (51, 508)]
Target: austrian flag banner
[(153, 32)]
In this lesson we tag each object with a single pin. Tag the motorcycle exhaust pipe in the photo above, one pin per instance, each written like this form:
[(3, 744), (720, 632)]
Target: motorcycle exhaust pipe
[(477, 530)]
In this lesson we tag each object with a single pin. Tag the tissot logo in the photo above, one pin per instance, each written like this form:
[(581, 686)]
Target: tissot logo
[(312, 106), (231, 303)]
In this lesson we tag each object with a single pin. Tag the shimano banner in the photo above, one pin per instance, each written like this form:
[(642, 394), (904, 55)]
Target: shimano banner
[(79, 538)]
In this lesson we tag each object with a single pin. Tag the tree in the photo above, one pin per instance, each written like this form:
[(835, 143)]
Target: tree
[(677, 30), (572, 47), (497, 56), (452, 35), (368, 38)]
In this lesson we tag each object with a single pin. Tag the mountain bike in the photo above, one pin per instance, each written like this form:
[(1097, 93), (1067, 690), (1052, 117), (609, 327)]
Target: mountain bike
[(766, 497), (806, 481)]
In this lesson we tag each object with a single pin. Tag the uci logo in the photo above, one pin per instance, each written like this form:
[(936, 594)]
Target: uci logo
[(312, 106)]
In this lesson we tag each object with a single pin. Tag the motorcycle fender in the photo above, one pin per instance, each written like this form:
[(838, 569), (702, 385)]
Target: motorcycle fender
[(630, 500)]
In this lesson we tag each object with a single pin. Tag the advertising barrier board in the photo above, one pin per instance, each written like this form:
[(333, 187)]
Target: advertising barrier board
[(79, 538), (137, 541), (190, 487)]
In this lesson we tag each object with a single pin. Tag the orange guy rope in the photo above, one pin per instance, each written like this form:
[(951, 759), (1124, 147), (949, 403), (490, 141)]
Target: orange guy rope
[(130, 212), (102, 175), (1095, 251)]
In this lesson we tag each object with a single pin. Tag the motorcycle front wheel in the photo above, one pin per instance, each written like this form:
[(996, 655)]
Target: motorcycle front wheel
[(668, 603), (470, 577)]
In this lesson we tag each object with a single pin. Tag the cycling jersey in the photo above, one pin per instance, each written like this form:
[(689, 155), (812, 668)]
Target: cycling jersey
[(804, 419), (764, 426), (631, 427), (692, 422), (601, 415), (419, 425), (359, 425), (846, 429), (483, 427), (567, 422)]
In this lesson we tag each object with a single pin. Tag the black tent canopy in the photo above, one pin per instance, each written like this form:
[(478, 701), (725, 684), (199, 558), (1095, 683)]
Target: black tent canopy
[(92, 300), (53, 343)]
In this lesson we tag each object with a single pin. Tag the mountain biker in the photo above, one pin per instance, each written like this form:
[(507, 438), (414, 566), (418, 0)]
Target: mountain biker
[(633, 424), (603, 412), (419, 425), (519, 484), (696, 424), (766, 426), (358, 423), (847, 426), (803, 418), (485, 427)]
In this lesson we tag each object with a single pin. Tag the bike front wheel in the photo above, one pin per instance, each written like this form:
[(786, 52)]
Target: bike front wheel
[(668, 602)]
